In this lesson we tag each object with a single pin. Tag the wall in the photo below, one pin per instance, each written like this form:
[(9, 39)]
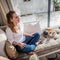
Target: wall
[(2, 18), (33, 6), (3, 9), (5, 6)]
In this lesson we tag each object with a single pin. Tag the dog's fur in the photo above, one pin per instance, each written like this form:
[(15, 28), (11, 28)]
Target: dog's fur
[(49, 32)]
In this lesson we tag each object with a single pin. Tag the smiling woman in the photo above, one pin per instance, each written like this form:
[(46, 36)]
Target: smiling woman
[(23, 41)]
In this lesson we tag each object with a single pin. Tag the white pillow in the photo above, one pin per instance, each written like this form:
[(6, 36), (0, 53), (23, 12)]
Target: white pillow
[(3, 58), (32, 27), (3, 38), (34, 57)]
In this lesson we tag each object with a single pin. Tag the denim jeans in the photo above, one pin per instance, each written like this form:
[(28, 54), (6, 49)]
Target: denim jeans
[(31, 43)]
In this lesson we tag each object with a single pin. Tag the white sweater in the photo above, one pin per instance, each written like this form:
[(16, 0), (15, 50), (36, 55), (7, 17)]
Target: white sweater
[(18, 37)]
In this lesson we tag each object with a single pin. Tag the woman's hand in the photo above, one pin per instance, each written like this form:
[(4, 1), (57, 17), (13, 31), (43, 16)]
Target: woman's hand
[(22, 45), (14, 43), (31, 35)]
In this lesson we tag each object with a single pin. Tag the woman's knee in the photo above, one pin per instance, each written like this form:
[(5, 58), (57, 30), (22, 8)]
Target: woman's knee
[(29, 48), (37, 35), (32, 47), (18, 48)]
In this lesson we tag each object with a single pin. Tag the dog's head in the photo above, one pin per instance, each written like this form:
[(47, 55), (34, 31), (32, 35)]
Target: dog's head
[(49, 32)]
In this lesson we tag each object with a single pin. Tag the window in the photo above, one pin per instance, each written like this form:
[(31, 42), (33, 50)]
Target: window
[(39, 11), (56, 5)]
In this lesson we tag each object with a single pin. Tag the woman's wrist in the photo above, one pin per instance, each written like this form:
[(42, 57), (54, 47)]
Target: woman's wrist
[(19, 44), (15, 43)]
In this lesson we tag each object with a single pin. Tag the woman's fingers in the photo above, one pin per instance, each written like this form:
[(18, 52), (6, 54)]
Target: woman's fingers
[(22, 45), (31, 35)]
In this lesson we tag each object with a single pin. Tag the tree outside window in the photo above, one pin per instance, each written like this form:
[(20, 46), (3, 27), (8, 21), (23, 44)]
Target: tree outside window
[(56, 5)]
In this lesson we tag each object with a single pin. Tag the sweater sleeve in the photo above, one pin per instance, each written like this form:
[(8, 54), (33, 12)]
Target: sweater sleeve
[(9, 34)]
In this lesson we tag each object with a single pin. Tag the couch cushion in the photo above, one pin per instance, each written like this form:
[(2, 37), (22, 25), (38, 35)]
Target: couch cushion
[(3, 38), (3, 58), (12, 53), (32, 27), (46, 44), (2, 35), (10, 50), (34, 57)]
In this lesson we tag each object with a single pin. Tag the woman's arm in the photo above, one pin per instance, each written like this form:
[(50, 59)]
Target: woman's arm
[(27, 34), (15, 43), (22, 45)]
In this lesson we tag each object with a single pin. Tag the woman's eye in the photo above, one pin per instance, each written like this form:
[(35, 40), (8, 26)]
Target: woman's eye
[(16, 17)]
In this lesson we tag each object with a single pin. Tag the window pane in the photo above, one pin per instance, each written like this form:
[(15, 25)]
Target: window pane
[(55, 15), (33, 10)]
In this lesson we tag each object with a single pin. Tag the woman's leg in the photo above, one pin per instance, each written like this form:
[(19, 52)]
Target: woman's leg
[(28, 39), (29, 48), (32, 40), (35, 38), (30, 44), (26, 49)]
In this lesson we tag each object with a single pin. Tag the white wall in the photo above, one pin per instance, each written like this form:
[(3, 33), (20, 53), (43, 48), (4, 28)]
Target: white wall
[(33, 6)]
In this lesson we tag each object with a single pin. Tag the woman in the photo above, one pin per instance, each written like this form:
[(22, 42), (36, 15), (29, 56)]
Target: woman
[(22, 41)]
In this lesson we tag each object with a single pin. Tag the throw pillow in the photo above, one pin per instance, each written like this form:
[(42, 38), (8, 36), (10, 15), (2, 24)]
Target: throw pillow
[(3, 58), (10, 50), (32, 27)]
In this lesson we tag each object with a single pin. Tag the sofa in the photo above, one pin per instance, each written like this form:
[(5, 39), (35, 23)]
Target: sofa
[(3, 58), (43, 49)]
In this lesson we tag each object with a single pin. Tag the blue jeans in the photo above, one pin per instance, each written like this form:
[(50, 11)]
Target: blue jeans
[(31, 43)]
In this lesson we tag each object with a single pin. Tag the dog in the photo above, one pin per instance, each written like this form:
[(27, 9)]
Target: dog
[(49, 32)]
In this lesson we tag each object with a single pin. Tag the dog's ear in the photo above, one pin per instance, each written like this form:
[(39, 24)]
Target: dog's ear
[(45, 34)]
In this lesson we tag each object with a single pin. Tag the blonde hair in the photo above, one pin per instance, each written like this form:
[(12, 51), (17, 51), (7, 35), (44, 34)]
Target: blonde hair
[(10, 24)]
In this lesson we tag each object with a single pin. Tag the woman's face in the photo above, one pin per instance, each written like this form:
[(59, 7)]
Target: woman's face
[(15, 19)]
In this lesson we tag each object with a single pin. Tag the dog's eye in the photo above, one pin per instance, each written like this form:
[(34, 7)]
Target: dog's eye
[(53, 32), (50, 32)]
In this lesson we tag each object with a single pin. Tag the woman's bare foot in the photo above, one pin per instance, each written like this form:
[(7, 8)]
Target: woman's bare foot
[(31, 53), (38, 42)]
